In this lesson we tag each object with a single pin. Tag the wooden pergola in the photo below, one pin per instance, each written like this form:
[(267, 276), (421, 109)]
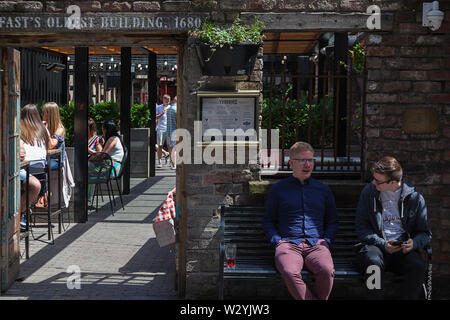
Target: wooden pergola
[(274, 43)]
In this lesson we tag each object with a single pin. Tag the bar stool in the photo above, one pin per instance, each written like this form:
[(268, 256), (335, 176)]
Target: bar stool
[(25, 234), (44, 175), (100, 166)]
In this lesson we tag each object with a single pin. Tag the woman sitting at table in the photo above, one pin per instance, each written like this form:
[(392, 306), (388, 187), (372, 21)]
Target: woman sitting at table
[(113, 145), (34, 139), (34, 187), (94, 141), (52, 121)]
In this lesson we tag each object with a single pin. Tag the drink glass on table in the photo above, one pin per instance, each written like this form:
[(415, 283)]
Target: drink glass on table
[(230, 255)]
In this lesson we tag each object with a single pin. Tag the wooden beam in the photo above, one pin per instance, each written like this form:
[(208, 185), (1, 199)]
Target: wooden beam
[(317, 21), (152, 100), (80, 133), (52, 39), (125, 106)]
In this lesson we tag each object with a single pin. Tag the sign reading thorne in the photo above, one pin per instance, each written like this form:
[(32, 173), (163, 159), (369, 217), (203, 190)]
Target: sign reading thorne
[(99, 22)]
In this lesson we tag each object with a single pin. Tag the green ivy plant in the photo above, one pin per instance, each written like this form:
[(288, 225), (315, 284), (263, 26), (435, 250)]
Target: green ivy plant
[(215, 36), (357, 58), (298, 117)]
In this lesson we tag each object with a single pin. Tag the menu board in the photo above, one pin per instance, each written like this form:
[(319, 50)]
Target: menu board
[(222, 113)]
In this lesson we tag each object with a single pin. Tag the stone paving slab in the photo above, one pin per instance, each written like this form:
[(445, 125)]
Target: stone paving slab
[(118, 256)]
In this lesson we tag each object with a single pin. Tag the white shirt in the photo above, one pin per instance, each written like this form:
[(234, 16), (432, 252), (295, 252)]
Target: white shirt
[(34, 153), (392, 224), (116, 152), (162, 122)]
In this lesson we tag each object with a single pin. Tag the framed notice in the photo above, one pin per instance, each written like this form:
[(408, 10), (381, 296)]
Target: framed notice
[(229, 115)]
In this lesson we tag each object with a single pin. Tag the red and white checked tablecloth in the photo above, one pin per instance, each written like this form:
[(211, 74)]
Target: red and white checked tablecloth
[(167, 210)]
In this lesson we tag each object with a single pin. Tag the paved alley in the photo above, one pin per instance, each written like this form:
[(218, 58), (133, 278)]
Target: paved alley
[(118, 256)]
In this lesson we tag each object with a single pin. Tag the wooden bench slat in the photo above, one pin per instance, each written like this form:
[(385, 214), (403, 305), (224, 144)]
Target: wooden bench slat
[(255, 255)]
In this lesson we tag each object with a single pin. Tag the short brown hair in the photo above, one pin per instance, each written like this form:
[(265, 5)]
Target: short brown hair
[(389, 167), (298, 147)]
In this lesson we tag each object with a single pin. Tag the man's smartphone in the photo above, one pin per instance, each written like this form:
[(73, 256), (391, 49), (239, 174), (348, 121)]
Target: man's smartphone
[(396, 243)]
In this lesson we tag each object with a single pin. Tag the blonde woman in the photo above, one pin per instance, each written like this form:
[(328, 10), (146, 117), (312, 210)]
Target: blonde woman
[(34, 141), (52, 120)]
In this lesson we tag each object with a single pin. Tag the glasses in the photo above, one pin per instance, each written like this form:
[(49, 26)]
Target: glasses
[(304, 161), (378, 183)]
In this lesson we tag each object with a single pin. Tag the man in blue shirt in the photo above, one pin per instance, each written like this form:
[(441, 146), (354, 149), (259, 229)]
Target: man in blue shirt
[(300, 222)]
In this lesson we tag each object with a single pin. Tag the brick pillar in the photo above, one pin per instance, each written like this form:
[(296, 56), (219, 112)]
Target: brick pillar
[(408, 114), (207, 187)]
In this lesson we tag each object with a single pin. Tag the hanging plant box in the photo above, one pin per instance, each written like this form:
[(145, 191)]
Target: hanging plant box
[(228, 60)]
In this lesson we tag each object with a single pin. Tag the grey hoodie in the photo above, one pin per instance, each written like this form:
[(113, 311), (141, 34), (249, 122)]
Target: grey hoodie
[(413, 213)]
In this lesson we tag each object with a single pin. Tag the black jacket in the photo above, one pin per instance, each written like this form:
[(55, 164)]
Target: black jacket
[(413, 213)]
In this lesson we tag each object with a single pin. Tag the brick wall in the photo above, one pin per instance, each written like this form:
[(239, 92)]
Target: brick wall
[(207, 187), (410, 69)]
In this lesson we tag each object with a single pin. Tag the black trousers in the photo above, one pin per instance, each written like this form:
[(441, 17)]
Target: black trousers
[(410, 265)]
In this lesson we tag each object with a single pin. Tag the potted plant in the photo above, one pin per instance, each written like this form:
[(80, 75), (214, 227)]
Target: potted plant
[(228, 51)]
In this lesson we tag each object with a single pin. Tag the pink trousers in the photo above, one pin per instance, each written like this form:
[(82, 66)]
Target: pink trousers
[(290, 259)]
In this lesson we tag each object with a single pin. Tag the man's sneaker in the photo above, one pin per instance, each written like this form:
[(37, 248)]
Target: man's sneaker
[(159, 165), (173, 167)]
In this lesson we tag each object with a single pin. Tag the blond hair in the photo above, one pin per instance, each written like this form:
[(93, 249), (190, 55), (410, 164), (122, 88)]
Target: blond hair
[(92, 127), (53, 118), (298, 147), (31, 127)]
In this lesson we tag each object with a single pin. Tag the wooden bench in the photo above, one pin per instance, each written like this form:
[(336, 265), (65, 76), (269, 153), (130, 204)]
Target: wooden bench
[(255, 256)]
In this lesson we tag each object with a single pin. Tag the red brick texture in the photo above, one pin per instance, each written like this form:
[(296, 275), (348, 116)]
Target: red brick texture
[(410, 68)]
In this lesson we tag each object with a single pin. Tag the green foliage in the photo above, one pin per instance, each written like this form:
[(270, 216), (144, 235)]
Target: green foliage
[(66, 113), (39, 106), (357, 58), (139, 115), (103, 112), (214, 36), (298, 118), (357, 118)]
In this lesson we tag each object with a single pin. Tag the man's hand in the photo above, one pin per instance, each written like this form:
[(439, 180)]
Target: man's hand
[(407, 246), (390, 248)]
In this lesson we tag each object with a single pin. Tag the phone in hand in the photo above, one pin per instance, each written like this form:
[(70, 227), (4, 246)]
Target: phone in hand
[(396, 243)]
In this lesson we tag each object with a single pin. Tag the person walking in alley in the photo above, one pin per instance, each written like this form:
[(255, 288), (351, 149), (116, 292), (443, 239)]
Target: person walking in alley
[(301, 221), (171, 131), (392, 225), (161, 135)]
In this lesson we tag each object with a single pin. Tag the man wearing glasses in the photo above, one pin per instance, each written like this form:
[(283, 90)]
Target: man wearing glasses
[(391, 222), (300, 222)]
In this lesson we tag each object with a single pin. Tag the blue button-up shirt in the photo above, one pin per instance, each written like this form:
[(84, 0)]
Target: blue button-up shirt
[(297, 212)]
